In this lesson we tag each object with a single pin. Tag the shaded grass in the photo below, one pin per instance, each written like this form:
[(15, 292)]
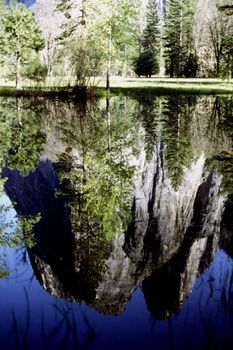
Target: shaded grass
[(124, 86), (171, 86), (59, 92), (167, 90)]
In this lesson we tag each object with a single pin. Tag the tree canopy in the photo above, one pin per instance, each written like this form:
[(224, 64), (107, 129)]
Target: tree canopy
[(21, 40), (96, 39)]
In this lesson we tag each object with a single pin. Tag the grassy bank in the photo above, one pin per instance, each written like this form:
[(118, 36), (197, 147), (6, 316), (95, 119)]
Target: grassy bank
[(171, 86), (123, 86)]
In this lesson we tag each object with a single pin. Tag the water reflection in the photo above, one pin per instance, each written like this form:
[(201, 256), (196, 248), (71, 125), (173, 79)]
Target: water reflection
[(130, 193)]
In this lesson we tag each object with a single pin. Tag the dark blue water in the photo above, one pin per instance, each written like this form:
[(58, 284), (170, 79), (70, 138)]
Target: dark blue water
[(32, 318)]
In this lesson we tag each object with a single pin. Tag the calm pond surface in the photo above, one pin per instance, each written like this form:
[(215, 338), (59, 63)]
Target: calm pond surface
[(117, 223)]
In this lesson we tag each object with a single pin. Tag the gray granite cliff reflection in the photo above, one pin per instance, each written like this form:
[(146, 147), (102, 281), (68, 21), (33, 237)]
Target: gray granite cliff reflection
[(123, 206)]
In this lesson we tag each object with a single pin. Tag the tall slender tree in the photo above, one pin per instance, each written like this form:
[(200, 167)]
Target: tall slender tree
[(147, 62), (180, 56)]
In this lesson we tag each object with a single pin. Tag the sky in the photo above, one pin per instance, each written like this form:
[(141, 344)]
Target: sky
[(27, 2)]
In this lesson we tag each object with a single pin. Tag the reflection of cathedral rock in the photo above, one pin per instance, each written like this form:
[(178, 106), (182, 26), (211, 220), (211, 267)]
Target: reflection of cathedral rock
[(172, 237), (177, 219)]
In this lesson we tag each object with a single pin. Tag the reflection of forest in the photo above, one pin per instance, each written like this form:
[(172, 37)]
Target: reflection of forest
[(130, 191)]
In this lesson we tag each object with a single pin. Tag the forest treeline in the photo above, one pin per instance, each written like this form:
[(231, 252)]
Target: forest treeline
[(84, 39)]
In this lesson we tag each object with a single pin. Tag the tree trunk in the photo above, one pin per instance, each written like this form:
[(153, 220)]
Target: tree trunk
[(17, 75), (109, 62), (108, 112)]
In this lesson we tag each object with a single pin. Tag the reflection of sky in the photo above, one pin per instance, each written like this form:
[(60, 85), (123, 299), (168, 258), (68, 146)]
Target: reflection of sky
[(203, 322), (26, 2), (8, 214)]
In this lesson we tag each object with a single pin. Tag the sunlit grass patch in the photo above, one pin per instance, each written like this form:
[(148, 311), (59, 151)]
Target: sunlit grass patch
[(64, 86), (163, 85)]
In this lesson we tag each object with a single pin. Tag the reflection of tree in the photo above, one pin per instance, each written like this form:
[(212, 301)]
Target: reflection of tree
[(99, 176), (14, 232), (222, 160), (224, 106), (177, 137), (223, 157), (150, 114), (96, 175), (21, 143), (21, 137)]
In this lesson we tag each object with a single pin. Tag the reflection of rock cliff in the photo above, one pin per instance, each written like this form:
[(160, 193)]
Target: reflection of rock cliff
[(169, 228), (173, 233), (166, 289)]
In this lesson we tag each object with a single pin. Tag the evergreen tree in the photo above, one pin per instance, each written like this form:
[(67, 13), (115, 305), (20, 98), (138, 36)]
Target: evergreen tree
[(180, 56), (20, 39), (178, 153), (148, 61)]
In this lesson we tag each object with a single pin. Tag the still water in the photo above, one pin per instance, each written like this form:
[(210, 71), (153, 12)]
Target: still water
[(116, 223)]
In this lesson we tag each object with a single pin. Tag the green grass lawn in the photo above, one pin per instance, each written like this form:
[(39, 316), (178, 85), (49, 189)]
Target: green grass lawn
[(168, 85), (125, 86)]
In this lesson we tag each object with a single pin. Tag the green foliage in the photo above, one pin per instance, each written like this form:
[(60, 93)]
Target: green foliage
[(150, 113), (147, 63), (179, 53), (223, 160), (98, 185), (26, 225), (85, 58), (16, 231), (107, 194), (27, 145), (20, 38), (4, 273), (34, 70), (22, 140), (98, 35), (178, 152)]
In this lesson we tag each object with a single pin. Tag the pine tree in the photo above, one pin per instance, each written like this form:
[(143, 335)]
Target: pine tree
[(148, 61), (180, 56), (20, 39)]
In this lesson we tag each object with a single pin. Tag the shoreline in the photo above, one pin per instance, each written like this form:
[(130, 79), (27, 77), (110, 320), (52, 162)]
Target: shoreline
[(125, 86)]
